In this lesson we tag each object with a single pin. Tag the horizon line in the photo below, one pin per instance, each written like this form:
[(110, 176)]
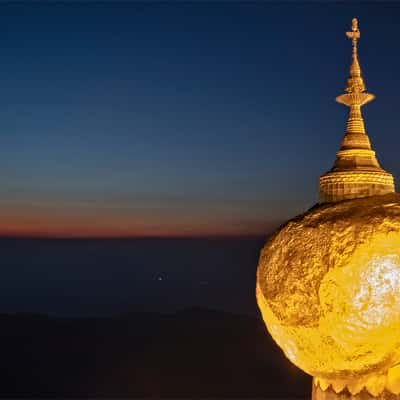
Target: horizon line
[(133, 237)]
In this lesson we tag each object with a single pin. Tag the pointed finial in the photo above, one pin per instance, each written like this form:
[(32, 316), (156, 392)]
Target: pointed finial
[(354, 35), (354, 24)]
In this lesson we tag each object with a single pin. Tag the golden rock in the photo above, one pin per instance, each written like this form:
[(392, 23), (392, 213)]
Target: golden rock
[(328, 285)]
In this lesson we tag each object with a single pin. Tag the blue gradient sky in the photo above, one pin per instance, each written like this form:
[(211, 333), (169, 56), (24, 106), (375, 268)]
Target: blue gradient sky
[(181, 118)]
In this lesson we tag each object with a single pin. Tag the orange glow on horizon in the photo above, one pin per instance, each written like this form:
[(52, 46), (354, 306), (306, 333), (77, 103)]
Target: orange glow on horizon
[(79, 225), (82, 233)]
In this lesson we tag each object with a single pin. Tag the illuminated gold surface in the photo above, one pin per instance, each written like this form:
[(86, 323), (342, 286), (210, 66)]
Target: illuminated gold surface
[(356, 172), (328, 286)]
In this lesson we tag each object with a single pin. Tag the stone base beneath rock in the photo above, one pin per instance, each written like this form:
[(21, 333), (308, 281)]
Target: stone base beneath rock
[(330, 394)]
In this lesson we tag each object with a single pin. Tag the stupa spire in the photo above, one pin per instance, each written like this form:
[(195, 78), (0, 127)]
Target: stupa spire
[(355, 88), (356, 172)]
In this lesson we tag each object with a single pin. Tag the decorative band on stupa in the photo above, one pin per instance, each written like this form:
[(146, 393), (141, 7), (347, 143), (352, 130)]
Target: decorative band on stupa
[(356, 172)]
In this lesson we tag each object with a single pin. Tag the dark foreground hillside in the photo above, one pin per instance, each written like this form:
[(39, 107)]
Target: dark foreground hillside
[(194, 353)]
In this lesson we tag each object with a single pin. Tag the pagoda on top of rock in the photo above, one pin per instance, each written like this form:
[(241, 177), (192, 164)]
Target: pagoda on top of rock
[(328, 281), (356, 172)]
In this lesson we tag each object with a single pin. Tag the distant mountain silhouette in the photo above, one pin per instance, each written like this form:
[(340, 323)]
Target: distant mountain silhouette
[(193, 353)]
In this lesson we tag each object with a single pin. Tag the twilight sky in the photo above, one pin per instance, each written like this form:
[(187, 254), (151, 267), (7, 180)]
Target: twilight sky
[(181, 118)]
